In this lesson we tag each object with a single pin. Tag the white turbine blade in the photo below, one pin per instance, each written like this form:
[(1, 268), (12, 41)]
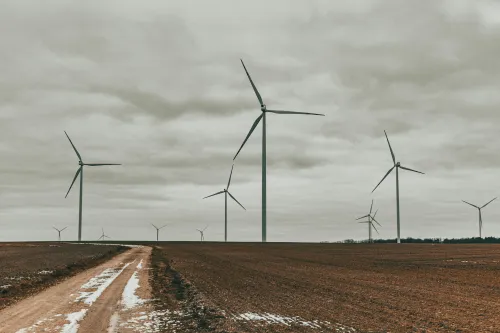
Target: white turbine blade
[(205, 228), (163, 226), (154, 226), (392, 153), (375, 228), (294, 112), (199, 230), (371, 207), (388, 172), (364, 222), (488, 203), (99, 164), (402, 167), (230, 175), (470, 204), (253, 85), (76, 175), (362, 217), (76, 151), (256, 122), (375, 214), (236, 200), (55, 228), (63, 228), (213, 194)]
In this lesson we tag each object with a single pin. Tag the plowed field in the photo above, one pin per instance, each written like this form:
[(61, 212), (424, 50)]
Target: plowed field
[(340, 287)]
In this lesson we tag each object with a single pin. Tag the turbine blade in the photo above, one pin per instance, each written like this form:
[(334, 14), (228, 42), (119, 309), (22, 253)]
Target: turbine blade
[(76, 175), (402, 167), (205, 228), (371, 207), (294, 112), (236, 200), (230, 175), (211, 195), (253, 85), (63, 228), (364, 222), (198, 230), (375, 214), (99, 164), (373, 218), (392, 153), (375, 229), (154, 226), (76, 151), (163, 226), (256, 122), (55, 228), (388, 172), (362, 217), (470, 204), (488, 203)]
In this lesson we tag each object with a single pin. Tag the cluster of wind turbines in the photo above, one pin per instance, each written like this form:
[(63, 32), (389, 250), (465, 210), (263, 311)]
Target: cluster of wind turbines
[(262, 116)]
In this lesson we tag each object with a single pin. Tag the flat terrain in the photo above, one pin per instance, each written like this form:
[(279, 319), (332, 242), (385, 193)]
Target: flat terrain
[(333, 287), (26, 268), (106, 298)]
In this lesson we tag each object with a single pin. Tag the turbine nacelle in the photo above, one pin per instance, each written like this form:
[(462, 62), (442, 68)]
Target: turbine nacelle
[(263, 108), (80, 163), (398, 164)]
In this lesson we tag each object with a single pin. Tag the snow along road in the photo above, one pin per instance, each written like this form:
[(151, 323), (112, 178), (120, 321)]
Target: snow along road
[(101, 299)]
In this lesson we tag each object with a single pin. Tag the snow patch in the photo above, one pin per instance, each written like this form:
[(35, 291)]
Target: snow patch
[(100, 283), (154, 322), (139, 265), (129, 298), (45, 272), (74, 319), (273, 319)]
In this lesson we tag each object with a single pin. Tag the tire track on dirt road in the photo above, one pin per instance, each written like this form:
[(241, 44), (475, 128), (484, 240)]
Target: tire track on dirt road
[(82, 303)]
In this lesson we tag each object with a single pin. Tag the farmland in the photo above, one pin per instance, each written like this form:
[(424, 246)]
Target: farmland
[(26, 268), (333, 287)]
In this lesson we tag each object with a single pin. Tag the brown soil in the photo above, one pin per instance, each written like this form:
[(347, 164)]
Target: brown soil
[(28, 268), (369, 287)]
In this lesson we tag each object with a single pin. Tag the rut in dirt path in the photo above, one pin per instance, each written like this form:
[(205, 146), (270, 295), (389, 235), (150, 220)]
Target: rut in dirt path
[(83, 303)]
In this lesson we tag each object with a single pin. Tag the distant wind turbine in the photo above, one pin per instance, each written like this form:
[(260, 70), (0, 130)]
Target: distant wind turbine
[(80, 172), (397, 165), (59, 231), (201, 233), (370, 221), (158, 230), (226, 192), (480, 217), (103, 235), (264, 110)]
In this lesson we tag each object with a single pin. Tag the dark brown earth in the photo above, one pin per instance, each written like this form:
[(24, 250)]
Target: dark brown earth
[(368, 287), (28, 268)]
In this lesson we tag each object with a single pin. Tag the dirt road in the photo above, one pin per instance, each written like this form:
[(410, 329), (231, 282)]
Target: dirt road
[(107, 298)]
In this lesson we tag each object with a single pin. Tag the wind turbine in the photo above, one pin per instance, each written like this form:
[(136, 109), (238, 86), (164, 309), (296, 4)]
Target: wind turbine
[(59, 231), (201, 233), (397, 165), (226, 192), (103, 235), (370, 221), (80, 172), (479, 209), (264, 110), (158, 230)]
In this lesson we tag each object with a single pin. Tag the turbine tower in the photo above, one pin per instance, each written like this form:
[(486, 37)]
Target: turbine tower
[(201, 233), (80, 172), (59, 231), (226, 192), (158, 230), (103, 235), (264, 111), (397, 165), (370, 221), (480, 217)]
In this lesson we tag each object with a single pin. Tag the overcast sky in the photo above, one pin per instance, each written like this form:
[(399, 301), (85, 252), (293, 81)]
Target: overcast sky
[(158, 86)]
